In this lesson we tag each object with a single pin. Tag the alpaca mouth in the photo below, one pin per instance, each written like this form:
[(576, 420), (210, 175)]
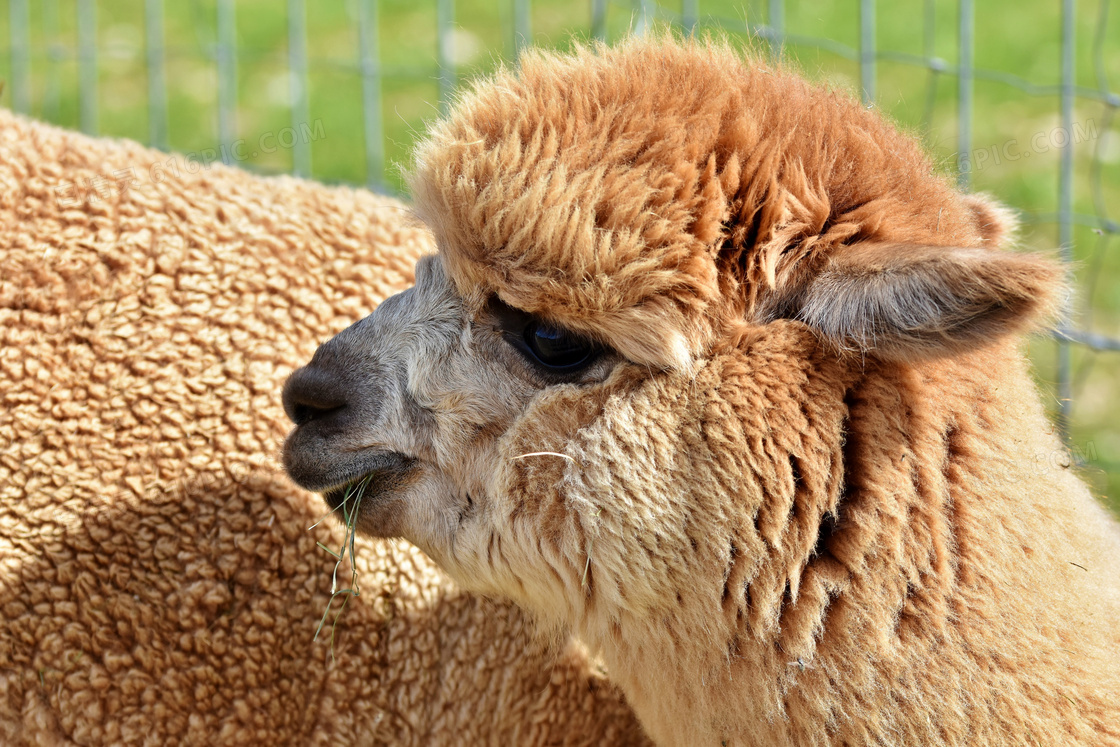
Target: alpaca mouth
[(388, 472)]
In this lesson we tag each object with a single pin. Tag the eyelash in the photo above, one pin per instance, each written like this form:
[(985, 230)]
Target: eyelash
[(550, 349), (557, 349)]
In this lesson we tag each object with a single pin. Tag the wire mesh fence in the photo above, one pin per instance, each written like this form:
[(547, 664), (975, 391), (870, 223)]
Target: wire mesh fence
[(258, 83)]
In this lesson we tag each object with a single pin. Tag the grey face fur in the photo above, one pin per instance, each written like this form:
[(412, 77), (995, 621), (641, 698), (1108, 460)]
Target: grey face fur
[(415, 396)]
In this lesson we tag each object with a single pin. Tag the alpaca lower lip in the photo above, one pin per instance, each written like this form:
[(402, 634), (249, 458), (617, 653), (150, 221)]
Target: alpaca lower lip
[(388, 473), (317, 465), (364, 487)]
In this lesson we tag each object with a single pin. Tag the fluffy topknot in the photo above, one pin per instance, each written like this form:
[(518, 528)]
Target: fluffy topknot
[(659, 194)]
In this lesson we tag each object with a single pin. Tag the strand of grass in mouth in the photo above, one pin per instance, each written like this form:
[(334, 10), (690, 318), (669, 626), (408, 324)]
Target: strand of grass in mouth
[(354, 491)]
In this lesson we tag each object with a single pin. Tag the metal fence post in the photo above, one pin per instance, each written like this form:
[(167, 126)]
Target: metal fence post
[(87, 66), (52, 87), (867, 51), (157, 75), (599, 20), (522, 26), (297, 71), (445, 18), (370, 65), (1065, 211), (964, 96), (19, 29), (777, 23), (935, 65), (690, 15), (226, 56), (645, 17)]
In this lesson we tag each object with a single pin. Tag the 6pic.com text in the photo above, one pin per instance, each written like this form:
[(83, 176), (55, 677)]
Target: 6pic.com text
[(1040, 142), (101, 186)]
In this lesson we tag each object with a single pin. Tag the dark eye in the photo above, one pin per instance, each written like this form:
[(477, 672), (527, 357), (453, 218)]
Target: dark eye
[(556, 348), (552, 350)]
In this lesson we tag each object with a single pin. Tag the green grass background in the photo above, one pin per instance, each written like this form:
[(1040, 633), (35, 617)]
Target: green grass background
[(1018, 37)]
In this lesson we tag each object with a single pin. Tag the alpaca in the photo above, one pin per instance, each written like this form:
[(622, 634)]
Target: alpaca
[(712, 372), (158, 582)]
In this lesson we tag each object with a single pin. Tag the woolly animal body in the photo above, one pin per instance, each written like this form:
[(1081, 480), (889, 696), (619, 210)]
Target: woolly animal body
[(158, 582), (714, 372)]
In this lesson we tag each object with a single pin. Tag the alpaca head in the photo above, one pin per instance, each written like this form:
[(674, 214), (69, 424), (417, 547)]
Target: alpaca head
[(618, 391)]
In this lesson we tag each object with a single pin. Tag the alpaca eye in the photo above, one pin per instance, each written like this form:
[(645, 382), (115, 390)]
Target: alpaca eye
[(556, 348), (553, 351)]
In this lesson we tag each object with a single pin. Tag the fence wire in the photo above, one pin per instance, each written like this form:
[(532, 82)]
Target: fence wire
[(367, 65)]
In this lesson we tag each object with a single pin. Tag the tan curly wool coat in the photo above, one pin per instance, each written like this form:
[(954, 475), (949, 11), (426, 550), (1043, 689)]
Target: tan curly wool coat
[(813, 499), (158, 584)]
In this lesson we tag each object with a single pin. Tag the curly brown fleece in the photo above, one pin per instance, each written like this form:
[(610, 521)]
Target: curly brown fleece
[(158, 584)]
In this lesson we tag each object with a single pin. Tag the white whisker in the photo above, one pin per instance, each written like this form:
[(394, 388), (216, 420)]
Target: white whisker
[(545, 453)]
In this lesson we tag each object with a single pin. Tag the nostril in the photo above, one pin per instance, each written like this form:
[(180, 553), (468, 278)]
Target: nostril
[(312, 394), (304, 413)]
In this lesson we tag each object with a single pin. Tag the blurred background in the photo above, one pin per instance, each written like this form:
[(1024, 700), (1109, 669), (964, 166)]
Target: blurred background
[(1016, 98)]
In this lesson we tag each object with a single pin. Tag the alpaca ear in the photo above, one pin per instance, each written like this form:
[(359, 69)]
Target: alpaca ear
[(995, 223), (907, 302)]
